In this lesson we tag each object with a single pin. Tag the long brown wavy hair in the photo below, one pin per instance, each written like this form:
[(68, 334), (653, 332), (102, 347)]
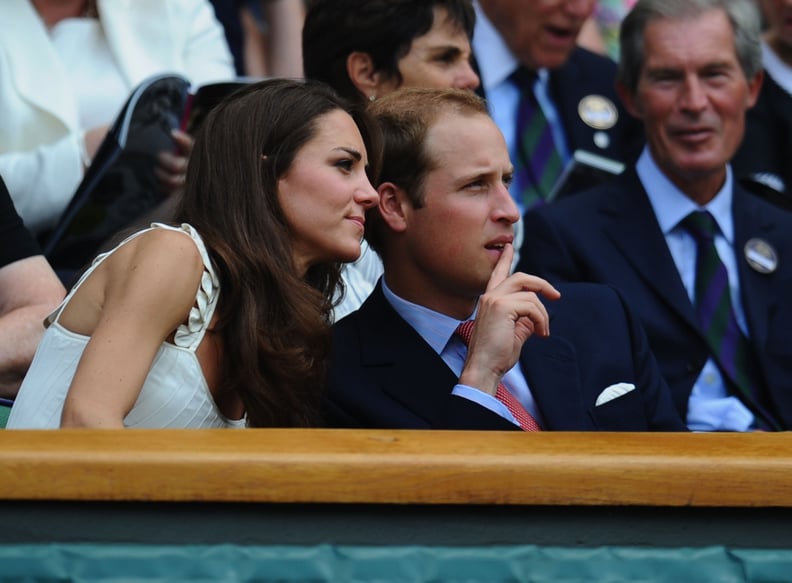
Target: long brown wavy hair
[(273, 323)]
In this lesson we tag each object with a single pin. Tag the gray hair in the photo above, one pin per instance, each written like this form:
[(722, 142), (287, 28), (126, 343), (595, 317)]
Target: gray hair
[(743, 15)]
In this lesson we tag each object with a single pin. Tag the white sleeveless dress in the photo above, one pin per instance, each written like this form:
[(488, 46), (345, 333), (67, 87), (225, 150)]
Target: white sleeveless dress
[(174, 394)]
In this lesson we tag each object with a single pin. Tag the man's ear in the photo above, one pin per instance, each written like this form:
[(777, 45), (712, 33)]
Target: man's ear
[(361, 71), (754, 86), (631, 104), (393, 206)]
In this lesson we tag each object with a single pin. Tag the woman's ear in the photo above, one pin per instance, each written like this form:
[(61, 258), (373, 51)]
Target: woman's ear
[(361, 71), (393, 206)]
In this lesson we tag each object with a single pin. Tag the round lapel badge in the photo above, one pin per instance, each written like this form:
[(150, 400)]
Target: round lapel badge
[(598, 112), (761, 256)]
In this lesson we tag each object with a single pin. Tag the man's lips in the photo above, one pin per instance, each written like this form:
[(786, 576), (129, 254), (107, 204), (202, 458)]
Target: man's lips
[(693, 134), (498, 244), (562, 34)]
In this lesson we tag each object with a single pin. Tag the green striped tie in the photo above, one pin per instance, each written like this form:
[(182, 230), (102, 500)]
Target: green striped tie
[(731, 349), (538, 163)]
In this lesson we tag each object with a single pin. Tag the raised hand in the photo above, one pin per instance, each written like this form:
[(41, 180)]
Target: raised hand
[(509, 312)]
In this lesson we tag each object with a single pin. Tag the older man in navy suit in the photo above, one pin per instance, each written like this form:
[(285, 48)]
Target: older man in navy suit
[(449, 339), (527, 57), (704, 263)]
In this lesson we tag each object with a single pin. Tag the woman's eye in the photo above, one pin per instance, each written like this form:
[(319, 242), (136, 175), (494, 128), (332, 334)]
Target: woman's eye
[(345, 164)]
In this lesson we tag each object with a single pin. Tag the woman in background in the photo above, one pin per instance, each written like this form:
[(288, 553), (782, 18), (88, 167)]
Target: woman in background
[(66, 69), (365, 49)]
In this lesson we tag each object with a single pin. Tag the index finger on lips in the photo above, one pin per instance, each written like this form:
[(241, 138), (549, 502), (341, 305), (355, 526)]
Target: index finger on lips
[(502, 267)]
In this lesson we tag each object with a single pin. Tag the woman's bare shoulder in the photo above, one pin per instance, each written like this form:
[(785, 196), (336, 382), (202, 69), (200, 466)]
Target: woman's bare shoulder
[(161, 263)]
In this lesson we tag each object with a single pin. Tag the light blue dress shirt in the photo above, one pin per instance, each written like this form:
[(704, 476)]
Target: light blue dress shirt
[(710, 407), (496, 63), (438, 331)]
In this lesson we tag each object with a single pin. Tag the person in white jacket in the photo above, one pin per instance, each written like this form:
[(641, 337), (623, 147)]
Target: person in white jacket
[(66, 69)]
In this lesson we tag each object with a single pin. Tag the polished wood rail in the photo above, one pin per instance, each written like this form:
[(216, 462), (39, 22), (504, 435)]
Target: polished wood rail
[(398, 467)]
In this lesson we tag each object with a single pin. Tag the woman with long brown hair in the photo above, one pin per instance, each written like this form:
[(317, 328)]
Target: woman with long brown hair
[(220, 321)]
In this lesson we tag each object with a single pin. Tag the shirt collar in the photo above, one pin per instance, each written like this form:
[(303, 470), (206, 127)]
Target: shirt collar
[(434, 327), (671, 205)]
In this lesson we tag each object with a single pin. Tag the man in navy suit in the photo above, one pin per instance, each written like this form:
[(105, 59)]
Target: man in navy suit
[(444, 229), (574, 87), (690, 69)]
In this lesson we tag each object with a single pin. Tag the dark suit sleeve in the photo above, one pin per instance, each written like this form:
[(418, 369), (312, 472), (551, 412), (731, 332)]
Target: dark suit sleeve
[(466, 414), (359, 402)]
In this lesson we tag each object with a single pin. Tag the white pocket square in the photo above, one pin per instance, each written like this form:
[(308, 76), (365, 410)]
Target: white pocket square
[(614, 391)]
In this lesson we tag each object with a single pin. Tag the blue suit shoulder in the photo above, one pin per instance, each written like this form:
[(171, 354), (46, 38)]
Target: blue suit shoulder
[(592, 64)]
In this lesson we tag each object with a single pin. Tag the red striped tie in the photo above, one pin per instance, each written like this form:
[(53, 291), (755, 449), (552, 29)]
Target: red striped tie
[(523, 417)]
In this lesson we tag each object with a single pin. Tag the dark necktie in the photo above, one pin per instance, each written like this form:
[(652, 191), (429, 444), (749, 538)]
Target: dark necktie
[(716, 318), (538, 163), (523, 417)]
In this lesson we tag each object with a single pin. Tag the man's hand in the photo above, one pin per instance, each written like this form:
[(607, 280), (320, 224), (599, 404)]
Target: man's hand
[(509, 312)]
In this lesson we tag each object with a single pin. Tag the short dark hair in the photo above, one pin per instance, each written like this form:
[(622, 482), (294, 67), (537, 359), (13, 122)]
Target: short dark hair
[(384, 29)]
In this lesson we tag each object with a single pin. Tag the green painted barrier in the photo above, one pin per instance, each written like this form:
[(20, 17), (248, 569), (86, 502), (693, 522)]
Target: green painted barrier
[(5, 411), (174, 563)]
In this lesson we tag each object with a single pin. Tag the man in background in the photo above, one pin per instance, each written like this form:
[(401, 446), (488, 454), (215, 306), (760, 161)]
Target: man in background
[(701, 259), (548, 96)]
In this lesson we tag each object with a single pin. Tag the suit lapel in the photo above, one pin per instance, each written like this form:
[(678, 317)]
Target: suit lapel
[(632, 228), (424, 383), (758, 291)]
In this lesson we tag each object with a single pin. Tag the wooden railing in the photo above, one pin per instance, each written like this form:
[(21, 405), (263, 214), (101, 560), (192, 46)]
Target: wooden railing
[(398, 467)]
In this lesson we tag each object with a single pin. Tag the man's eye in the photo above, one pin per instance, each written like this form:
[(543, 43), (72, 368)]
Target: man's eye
[(715, 74)]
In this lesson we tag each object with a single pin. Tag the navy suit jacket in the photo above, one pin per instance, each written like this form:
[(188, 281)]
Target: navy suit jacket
[(610, 235), (586, 73), (384, 375)]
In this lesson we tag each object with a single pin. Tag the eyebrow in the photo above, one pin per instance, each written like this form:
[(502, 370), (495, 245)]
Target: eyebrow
[(445, 49), (351, 151)]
